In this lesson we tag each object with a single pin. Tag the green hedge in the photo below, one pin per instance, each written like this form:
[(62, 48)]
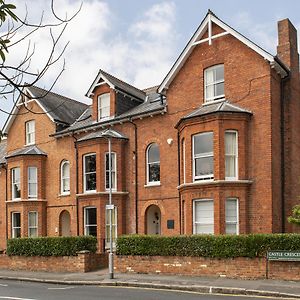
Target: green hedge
[(219, 246), (51, 246)]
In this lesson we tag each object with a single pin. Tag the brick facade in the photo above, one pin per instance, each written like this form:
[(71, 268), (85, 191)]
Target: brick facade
[(262, 93)]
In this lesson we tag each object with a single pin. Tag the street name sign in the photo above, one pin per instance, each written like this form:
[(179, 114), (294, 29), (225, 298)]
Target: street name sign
[(284, 255)]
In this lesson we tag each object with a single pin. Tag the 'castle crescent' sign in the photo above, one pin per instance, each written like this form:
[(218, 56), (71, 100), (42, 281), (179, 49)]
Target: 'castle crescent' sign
[(284, 255)]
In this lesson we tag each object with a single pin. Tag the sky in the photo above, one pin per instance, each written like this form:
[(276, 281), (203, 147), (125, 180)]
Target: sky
[(137, 41)]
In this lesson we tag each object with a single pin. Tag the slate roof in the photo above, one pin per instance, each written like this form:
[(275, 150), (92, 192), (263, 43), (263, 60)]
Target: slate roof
[(60, 108), (224, 106), (29, 150), (220, 107), (119, 84), (153, 104), (3, 151), (102, 134)]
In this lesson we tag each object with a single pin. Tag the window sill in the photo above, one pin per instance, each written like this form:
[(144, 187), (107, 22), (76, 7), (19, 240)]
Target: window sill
[(213, 101), (64, 195), (152, 184)]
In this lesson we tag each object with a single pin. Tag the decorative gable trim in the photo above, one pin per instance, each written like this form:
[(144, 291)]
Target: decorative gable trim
[(16, 109), (97, 83), (206, 26)]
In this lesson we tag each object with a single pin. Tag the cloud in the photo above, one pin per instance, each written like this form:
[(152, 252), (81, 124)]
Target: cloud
[(140, 54), (263, 34)]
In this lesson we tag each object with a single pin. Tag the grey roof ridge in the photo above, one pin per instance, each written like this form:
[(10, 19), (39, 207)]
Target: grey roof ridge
[(76, 121), (56, 94), (109, 122), (126, 83), (239, 108), (245, 111)]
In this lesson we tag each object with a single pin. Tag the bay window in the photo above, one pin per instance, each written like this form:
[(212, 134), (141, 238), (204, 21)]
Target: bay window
[(203, 156), (231, 155), (113, 171), (203, 215), (15, 225), (16, 183), (90, 221), (114, 223), (32, 224), (32, 183), (89, 169), (232, 216)]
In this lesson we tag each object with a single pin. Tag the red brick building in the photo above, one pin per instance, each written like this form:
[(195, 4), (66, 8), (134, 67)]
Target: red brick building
[(213, 149)]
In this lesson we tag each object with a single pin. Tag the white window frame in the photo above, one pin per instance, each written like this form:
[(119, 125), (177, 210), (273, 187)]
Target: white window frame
[(207, 177), (215, 97), (31, 226), (32, 182), (14, 228), (236, 156), (202, 223), (13, 182), (100, 107), (114, 170), (85, 219), (237, 222), (63, 178), (30, 135), (148, 164), (114, 227), (87, 173)]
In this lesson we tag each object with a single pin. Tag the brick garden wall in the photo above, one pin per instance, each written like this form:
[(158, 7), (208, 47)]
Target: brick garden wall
[(84, 262), (251, 268)]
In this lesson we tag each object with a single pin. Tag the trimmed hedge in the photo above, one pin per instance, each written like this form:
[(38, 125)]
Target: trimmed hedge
[(51, 246), (214, 246)]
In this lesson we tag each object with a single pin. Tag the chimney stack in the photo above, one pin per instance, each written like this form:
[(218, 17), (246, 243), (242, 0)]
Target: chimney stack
[(287, 49)]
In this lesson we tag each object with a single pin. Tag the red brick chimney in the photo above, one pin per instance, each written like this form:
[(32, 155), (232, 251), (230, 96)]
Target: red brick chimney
[(287, 49)]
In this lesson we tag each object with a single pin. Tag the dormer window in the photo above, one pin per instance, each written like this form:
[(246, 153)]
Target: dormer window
[(103, 106), (30, 132), (214, 83)]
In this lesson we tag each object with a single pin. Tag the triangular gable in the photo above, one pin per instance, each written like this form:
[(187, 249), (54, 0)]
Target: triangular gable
[(204, 34), (16, 109), (98, 82)]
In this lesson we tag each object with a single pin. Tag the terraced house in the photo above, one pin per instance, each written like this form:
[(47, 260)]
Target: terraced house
[(213, 149)]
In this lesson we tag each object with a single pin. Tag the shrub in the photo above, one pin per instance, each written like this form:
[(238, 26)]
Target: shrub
[(219, 246), (51, 246)]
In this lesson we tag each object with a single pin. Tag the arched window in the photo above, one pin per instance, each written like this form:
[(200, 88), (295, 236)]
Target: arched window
[(65, 177), (153, 164)]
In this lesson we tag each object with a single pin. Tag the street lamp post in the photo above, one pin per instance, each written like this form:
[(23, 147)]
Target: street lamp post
[(111, 254)]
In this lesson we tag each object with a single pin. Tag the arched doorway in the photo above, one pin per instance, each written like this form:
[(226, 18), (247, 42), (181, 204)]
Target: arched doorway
[(153, 220), (64, 223)]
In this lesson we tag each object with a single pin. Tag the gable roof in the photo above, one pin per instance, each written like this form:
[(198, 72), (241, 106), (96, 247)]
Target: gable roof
[(3, 144), (116, 83), (29, 150), (58, 108), (61, 109), (206, 26)]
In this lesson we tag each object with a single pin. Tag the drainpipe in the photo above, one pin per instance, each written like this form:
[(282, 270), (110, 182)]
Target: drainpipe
[(136, 175), (178, 159), (76, 191), (282, 135), (6, 199)]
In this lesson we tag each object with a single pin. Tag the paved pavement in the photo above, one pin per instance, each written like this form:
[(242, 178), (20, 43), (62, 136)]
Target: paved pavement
[(211, 285)]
